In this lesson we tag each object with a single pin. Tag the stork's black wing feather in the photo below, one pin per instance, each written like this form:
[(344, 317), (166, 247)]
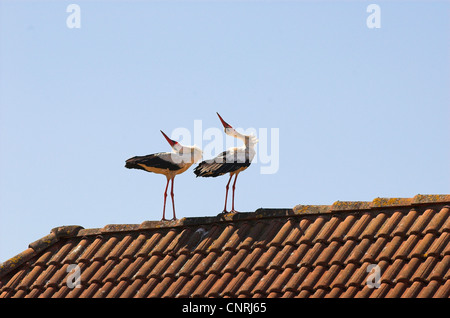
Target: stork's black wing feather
[(219, 166), (155, 160)]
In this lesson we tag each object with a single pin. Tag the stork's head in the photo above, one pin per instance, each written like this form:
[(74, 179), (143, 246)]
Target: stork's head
[(230, 131), (249, 140), (186, 154), (174, 144)]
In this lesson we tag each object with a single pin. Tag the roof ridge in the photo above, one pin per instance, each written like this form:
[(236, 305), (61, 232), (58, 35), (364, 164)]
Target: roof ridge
[(376, 203), (338, 206)]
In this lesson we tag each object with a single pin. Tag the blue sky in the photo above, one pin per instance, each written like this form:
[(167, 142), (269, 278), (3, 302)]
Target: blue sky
[(361, 113)]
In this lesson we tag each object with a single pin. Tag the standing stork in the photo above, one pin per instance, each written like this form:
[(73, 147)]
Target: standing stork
[(169, 164), (233, 161)]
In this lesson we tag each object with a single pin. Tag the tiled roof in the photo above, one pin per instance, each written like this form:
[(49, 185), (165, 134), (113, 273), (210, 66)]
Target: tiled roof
[(306, 251)]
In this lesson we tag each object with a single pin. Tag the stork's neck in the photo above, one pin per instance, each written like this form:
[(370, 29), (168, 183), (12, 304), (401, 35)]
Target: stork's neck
[(177, 148), (189, 154), (249, 140)]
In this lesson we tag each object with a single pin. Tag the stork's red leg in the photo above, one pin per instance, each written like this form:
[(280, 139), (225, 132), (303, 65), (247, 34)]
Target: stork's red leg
[(226, 195), (234, 187), (165, 197), (173, 202)]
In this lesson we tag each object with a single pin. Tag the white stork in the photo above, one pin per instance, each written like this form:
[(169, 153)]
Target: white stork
[(167, 163), (233, 161)]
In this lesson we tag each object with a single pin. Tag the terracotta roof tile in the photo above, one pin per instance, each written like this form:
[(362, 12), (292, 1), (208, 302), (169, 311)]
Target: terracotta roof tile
[(312, 254), (443, 291), (327, 229), (307, 251), (390, 249), (343, 228), (174, 288), (344, 251), (100, 275), (326, 254), (296, 279), (280, 258), (265, 284), (359, 226), (220, 284), (430, 289), (405, 223), (390, 224), (221, 240), (440, 244), (375, 224), (440, 221), (360, 250), (424, 269), (297, 232), (305, 293), (220, 262), (103, 252), (441, 271), (421, 222), (76, 252), (279, 283), (294, 259), (312, 231)]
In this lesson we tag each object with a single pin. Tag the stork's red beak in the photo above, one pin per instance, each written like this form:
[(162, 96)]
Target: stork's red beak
[(224, 123), (170, 141)]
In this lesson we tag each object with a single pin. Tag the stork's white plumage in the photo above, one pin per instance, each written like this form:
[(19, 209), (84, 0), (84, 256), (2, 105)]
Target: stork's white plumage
[(233, 161), (169, 164)]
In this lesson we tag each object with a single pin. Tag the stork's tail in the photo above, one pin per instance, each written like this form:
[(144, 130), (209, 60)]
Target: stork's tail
[(204, 169), (132, 163), (198, 170)]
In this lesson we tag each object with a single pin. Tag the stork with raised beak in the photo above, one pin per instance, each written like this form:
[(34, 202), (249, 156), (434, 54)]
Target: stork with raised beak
[(233, 161), (169, 164)]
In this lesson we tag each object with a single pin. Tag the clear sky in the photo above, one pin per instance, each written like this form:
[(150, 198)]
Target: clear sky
[(357, 112)]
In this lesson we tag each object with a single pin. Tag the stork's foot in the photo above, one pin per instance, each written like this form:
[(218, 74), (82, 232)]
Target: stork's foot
[(172, 219), (227, 212)]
